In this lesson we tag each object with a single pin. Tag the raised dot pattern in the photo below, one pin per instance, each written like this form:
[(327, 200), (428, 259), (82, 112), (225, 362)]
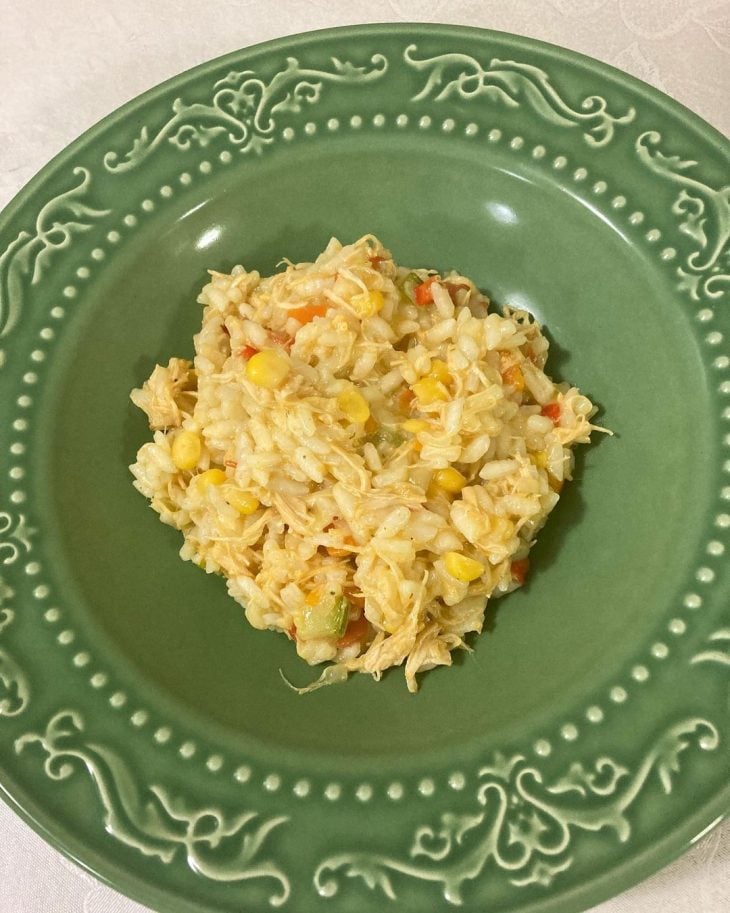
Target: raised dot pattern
[(99, 679)]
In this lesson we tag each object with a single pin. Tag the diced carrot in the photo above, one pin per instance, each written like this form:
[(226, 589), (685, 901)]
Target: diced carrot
[(355, 631), (307, 313), (314, 596), (247, 352), (423, 292), (519, 570), (513, 377), (551, 411), (405, 398), (335, 552)]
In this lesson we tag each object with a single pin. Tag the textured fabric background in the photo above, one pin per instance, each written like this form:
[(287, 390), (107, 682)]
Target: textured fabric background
[(64, 64)]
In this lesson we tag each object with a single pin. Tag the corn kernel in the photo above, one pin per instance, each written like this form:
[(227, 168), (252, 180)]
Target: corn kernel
[(501, 527), (449, 479), (242, 501), (540, 459), (429, 390), (186, 449), (440, 371), (354, 405), (268, 369), (461, 567), (414, 425), (210, 477), (368, 304)]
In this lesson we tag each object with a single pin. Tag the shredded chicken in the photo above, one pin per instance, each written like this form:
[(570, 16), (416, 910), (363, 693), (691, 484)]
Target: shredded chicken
[(366, 452), (168, 395)]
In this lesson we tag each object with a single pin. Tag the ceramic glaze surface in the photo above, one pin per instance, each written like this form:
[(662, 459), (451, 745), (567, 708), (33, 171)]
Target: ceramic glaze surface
[(144, 726)]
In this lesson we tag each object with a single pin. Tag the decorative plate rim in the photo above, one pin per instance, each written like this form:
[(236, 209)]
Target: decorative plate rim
[(624, 873), (273, 44)]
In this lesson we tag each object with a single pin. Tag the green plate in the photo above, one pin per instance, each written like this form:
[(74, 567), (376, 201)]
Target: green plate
[(144, 727)]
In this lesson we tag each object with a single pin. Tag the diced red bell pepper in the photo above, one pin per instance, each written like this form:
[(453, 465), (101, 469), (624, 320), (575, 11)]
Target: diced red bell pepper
[(424, 293), (551, 411), (519, 570), (355, 631), (453, 287)]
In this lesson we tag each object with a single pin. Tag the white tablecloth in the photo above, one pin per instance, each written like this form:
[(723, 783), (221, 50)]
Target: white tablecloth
[(64, 64)]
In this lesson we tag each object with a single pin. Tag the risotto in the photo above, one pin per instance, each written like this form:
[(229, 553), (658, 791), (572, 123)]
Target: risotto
[(364, 451)]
